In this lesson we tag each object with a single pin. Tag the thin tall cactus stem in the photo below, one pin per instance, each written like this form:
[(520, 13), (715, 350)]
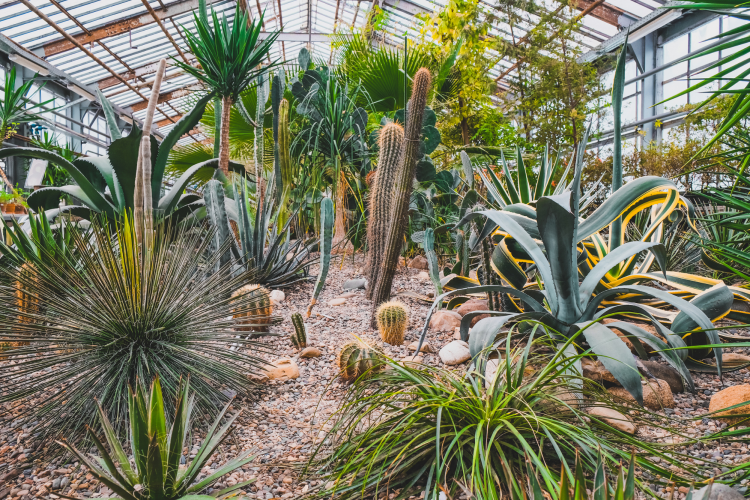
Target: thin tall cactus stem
[(144, 201), (402, 190), (391, 143)]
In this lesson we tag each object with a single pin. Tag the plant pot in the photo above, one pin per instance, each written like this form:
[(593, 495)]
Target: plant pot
[(2, 207), (10, 208)]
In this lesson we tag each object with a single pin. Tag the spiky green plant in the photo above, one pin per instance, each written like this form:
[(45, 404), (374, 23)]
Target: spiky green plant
[(106, 184), (356, 359), (229, 60), (411, 429), (326, 242), (391, 143), (112, 314), (157, 473), (393, 318), (299, 337), (402, 190)]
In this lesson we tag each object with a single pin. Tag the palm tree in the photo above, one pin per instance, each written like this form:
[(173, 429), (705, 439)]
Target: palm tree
[(229, 59)]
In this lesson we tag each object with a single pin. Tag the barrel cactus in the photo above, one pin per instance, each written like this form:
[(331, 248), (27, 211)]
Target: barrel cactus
[(258, 317), (299, 337), (355, 359), (393, 318)]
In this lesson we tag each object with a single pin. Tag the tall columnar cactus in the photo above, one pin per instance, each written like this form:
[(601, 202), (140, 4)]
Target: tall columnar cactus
[(402, 189), (299, 337), (393, 318), (432, 261), (391, 143), (283, 146), (260, 111)]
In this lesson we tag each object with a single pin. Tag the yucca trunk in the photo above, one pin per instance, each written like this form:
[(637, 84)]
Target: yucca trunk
[(226, 109)]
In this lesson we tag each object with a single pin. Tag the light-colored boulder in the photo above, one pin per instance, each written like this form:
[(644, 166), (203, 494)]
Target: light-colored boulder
[(418, 359), (731, 359), (419, 262), (656, 394), (445, 321), (426, 347), (337, 302), (717, 491), (729, 397), (283, 369), (455, 352), (310, 352), (471, 306), (612, 417), (277, 296), (355, 284)]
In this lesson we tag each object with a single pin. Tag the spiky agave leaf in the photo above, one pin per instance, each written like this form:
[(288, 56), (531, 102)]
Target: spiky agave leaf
[(107, 314)]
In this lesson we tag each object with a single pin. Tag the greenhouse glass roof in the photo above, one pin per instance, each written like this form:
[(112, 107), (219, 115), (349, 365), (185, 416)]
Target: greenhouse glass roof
[(113, 46)]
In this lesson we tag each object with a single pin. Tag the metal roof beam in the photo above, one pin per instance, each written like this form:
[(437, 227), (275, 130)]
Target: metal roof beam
[(122, 26), (606, 12), (298, 37), (167, 96)]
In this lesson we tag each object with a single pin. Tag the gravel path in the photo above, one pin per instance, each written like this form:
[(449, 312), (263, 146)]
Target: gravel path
[(288, 418)]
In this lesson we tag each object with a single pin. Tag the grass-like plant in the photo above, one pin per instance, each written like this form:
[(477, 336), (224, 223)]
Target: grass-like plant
[(156, 474), (109, 313), (409, 429)]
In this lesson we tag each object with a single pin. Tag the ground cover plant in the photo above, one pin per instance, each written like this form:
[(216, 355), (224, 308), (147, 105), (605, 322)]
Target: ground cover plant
[(86, 324), (502, 429)]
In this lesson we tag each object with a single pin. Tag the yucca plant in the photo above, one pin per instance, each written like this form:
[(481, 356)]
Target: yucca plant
[(156, 473), (229, 59), (111, 313), (413, 428)]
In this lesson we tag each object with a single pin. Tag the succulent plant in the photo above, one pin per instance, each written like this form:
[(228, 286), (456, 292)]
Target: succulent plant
[(402, 189), (299, 337), (255, 315), (391, 143), (355, 359), (393, 318)]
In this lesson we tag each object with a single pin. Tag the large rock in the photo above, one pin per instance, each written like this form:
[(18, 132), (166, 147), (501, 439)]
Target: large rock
[(729, 397), (419, 262), (425, 347), (283, 369), (666, 373), (355, 284), (717, 491), (337, 302), (656, 394), (277, 296), (471, 306), (310, 352), (445, 321), (731, 360), (455, 352), (594, 369), (612, 417)]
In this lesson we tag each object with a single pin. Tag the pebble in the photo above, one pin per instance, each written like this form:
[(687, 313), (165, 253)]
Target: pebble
[(277, 296), (426, 347), (310, 352), (355, 284), (337, 302)]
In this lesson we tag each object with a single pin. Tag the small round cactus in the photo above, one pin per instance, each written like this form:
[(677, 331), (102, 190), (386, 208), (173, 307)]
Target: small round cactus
[(393, 318), (256, 313), (299, 337), (355, 359)]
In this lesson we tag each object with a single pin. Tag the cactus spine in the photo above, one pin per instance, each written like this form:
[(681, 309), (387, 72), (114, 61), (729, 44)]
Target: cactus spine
[(402, 189), (299, 337), (391, 143), (355, 359), (393, 318)]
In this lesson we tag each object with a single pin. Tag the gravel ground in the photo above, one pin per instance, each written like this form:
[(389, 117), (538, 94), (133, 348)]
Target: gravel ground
[(288, 418)]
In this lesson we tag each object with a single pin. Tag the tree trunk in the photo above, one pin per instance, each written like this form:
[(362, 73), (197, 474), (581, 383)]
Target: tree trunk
[(226, 109)]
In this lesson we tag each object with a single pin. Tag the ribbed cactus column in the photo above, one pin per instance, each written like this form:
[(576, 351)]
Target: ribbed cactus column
[(391, 142), (402, 190)]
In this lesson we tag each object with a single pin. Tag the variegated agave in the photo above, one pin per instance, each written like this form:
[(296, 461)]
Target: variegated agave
[(552, 243)]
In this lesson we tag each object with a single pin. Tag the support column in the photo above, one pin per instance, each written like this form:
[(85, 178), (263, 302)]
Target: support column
[(649, 89)]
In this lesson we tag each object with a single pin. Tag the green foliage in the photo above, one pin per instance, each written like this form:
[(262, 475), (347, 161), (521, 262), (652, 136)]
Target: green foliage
[(107, 314), (260, 246), (16, 106), (157, 451), (37, 239), (115, 172), (299, 337), (415, 428), (568, 305), (229, 59), (326, 241)]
